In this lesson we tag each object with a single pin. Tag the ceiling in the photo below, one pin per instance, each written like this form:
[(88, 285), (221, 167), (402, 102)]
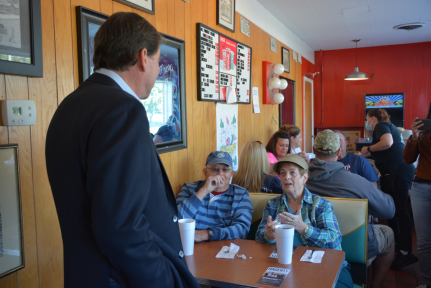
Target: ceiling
[(332, 24)]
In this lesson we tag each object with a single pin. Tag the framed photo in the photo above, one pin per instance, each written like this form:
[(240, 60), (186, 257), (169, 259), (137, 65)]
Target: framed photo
[(143, 5), (285, 59), (226, 14), (11, 237), (245, 26), (88, 23), (166, 106), (21, 38), (273, 44)]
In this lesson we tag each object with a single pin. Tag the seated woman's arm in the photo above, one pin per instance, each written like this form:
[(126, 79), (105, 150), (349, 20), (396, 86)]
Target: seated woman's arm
[(325, 233), (270, 210)]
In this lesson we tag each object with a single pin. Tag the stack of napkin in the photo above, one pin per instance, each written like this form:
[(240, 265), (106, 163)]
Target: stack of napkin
[(233, 249), (315, 258)]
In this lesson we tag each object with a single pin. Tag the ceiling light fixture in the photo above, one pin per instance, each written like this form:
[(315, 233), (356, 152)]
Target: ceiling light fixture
[(356, 75)]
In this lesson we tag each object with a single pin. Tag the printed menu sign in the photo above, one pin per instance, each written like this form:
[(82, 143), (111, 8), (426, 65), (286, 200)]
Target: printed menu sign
[(222, 62), (209, 74)]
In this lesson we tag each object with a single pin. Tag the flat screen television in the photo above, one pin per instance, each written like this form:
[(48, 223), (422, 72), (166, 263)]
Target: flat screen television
[(393, 103)]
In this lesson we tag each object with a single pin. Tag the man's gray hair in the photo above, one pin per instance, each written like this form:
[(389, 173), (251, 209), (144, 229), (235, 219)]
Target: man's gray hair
[(341, 132)]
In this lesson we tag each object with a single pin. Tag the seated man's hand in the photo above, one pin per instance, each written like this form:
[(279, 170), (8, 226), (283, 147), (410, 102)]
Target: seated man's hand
[(213, 182), (201, 235)]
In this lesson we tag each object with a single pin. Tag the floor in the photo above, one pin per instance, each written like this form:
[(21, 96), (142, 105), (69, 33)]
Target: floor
[(408, 277)]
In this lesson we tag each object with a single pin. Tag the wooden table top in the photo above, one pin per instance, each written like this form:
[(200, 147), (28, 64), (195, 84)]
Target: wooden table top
[(209, 270)]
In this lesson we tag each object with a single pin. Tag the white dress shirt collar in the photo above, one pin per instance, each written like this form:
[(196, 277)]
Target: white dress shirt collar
[(114, 76)]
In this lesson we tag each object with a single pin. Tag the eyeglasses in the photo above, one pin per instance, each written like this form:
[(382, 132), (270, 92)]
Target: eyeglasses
[(217, 170)]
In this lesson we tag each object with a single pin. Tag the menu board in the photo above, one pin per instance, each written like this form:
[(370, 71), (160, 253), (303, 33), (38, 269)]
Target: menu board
[(222, 62)]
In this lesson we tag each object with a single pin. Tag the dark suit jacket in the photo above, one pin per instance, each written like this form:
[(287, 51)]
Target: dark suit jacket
[(114, 201)]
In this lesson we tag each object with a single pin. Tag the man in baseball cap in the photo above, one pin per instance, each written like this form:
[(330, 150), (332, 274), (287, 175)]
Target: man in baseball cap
[(328, 177), (221, 210)]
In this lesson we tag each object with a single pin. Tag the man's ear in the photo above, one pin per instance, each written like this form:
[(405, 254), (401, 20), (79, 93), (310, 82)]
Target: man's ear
[(143, 59), (204, 171), (339, 152)]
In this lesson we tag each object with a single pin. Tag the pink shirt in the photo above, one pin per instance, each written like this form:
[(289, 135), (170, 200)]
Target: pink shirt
[(271, 158)]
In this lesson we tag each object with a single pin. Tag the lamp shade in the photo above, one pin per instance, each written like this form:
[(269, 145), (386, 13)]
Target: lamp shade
[(274, 82), (283, 84), (356, 75), (278, 69), (278, 98)]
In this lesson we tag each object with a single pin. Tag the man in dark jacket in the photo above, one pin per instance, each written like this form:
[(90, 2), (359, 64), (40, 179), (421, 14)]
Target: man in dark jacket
[(327, 177), (115, 204)]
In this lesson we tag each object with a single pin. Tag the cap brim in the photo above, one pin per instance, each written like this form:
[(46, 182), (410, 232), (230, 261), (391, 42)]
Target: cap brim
[(219, 161)]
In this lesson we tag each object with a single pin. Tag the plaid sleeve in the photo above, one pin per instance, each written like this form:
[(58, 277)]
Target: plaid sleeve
[(325, 233), (241, 220), (270, 210)]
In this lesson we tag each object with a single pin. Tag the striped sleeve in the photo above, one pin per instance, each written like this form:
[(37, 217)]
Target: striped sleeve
[(187, 201)]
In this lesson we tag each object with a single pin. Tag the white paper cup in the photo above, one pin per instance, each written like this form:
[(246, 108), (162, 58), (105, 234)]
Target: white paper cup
[(284, 238), (187, 232)]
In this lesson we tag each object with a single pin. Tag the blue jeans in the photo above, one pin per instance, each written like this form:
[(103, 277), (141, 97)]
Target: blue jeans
[(421, 206)]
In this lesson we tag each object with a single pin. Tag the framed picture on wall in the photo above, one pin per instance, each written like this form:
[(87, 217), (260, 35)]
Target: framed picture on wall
[(166, 106), (285, 59), (21, 38), (11, 237), (226, 14), (273, 44), (143, 5)]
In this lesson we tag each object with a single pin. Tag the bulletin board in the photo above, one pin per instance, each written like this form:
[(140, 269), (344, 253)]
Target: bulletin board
[(222, 62)]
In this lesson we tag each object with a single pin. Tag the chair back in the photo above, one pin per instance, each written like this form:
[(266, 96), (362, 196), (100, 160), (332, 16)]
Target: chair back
[(352, 216), (258, 202)]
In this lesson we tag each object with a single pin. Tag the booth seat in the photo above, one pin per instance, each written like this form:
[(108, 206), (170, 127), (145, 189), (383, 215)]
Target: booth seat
[(352, 216), (258, 202)]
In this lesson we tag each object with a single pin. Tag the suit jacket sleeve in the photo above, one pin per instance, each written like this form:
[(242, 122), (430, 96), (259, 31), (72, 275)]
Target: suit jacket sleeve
[(120, 171)]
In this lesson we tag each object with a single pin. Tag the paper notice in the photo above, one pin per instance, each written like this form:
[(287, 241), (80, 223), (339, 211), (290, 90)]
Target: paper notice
[(273, 276), (255, 91)]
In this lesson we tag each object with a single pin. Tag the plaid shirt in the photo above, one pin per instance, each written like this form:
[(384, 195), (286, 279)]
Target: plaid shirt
[(228, 215), (271, 184), (317, 212)]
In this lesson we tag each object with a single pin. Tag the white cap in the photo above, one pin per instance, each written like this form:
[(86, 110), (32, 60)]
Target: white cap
[(406, 134)]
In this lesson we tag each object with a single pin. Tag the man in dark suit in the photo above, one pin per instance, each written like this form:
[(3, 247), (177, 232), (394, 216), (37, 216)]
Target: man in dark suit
[(115, 204)]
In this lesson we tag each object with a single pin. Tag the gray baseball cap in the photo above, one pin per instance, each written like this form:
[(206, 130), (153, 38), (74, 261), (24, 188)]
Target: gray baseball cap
[(291, 158)]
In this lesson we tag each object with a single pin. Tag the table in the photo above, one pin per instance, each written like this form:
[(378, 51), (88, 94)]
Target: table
[(209, 270)]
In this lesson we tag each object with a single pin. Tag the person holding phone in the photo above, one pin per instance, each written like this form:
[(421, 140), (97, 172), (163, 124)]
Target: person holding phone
[(419, 143), (387, 150)]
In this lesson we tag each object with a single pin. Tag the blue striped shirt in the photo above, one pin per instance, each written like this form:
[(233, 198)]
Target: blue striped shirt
[(228, 214), (316, 211)]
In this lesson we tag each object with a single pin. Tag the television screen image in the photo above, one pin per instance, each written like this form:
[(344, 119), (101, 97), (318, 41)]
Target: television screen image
[(393, 103)]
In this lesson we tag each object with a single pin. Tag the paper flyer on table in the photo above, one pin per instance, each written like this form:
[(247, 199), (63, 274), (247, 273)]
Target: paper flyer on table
[(275, 255), (273, 276)]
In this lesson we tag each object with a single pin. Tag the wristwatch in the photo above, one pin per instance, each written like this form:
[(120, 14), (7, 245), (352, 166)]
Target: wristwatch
[(306, 230), (210, 234), (369, 150)]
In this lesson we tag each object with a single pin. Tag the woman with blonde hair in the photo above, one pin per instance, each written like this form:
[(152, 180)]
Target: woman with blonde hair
[(253, 170)]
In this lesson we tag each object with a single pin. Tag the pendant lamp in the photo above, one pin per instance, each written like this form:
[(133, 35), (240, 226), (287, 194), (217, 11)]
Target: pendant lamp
[(356, 75)]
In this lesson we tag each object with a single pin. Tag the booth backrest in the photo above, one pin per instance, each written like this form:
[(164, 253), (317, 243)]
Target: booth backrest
[(352, 215), (258, 201)]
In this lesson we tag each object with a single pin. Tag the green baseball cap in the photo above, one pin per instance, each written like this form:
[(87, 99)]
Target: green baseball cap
[(327, 142), (291, 158)]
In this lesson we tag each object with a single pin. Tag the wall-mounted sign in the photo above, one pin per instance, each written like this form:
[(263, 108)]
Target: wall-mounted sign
[(245, 26), (222, 62), (273, 44)]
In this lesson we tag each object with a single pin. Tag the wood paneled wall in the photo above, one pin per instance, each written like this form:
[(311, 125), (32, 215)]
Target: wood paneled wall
[(42, 236)]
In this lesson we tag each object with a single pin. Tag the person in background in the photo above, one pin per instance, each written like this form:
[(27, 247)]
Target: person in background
[(222, 211), (253, 170), (387, 150), (419, 144), (311, 215), (295, 140), (169, 132), (354, 163), (329, 178), (114, 202), (277, 146)]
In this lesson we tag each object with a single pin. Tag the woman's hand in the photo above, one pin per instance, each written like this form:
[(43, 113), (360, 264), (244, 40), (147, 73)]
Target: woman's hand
[(305, 156), (270, 228), (415, 128), (294, 220)]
